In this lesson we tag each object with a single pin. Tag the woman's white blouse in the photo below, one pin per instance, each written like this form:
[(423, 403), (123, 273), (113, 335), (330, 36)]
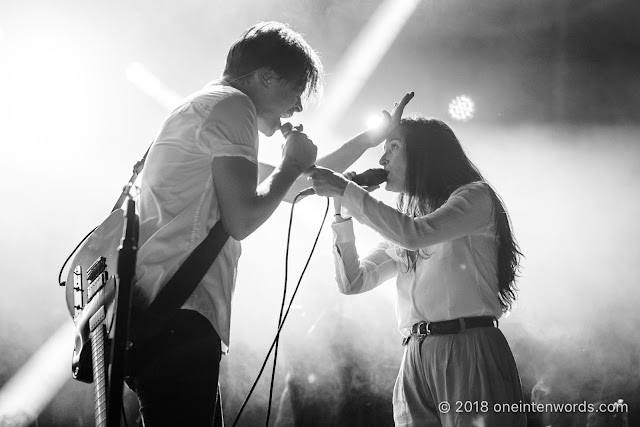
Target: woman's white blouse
[(459, 277)]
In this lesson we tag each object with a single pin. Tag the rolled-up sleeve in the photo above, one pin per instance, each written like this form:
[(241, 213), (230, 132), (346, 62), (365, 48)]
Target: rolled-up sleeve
[(230, 128), (354, 275)]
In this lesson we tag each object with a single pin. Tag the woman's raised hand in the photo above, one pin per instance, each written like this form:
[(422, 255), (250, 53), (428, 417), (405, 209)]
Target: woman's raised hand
[(390, 121)]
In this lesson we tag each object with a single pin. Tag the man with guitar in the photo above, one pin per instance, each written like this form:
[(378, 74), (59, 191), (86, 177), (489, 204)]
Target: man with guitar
[(201, 170)]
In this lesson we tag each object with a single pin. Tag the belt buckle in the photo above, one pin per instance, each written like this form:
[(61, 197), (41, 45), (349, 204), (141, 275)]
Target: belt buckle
[(419, 332), (421, 336)]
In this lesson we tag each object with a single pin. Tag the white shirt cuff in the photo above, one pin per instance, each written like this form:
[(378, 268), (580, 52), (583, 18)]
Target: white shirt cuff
[(352, 200), (343, 232)]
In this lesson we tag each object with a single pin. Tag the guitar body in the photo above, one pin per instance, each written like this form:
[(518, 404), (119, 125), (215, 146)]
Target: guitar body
[(98, 294), (83, 302)]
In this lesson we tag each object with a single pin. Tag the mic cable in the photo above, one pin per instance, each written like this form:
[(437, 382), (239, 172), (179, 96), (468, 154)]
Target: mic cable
[(286, 313)]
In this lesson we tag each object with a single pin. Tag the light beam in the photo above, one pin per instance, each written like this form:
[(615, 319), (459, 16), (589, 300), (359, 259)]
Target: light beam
[(362, 57), (31, 389), (148, 83)]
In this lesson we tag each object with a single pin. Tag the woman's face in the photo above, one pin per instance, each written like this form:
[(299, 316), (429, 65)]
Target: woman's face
[(394, 161)]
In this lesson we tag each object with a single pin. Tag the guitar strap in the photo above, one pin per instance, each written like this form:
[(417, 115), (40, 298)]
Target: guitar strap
[(151, 321)]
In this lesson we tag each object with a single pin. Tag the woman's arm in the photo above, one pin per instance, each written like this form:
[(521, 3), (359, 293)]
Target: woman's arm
[(338, 160), (469, 210), (343, 157), (353, 275)]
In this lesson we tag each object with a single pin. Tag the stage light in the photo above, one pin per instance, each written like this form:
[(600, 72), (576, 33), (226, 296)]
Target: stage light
[(461, 108), (374, 121)]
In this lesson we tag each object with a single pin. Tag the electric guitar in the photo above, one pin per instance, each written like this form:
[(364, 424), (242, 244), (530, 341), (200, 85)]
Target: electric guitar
[(98, 293)]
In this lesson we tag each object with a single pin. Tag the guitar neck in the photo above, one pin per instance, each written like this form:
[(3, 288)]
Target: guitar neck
[(98, 338)]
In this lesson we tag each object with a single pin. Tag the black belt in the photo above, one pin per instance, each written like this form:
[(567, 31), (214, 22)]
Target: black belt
[(424, 329)]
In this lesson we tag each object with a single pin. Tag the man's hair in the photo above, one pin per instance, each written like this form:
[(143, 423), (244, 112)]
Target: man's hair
[(275, 46), (437, 166)]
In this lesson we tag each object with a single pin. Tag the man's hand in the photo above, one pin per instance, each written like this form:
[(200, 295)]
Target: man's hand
[(390, 122), (298, 150)]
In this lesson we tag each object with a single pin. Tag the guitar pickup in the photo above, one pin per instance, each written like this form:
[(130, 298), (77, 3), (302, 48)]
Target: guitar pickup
[(97, 284), (96, 268)]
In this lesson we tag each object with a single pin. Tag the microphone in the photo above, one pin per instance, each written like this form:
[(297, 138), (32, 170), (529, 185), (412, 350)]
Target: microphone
[(365, 179), (371, 177), (286, 128)]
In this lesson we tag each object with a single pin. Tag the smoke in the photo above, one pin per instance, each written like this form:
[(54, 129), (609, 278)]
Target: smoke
[(570, 193), (574, 331)]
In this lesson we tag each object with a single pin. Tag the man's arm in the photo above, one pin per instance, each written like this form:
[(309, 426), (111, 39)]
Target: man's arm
[(243, 206)]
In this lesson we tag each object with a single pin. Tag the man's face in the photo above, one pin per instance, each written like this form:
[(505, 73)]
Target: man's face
[(280, 100), (394, 161)]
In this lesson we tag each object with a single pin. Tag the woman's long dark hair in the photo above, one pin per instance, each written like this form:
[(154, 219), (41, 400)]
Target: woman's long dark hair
[(436, 166)]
